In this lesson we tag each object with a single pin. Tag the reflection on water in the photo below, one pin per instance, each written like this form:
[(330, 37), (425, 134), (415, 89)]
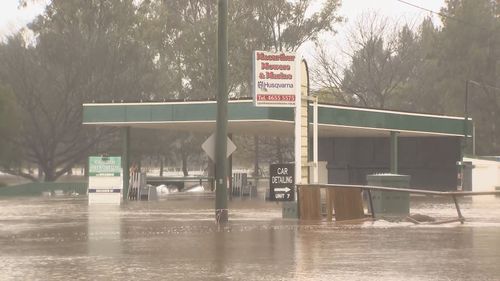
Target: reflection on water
[(64, 238), (104, 230)]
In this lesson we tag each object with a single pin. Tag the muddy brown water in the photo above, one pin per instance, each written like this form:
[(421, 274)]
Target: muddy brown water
[(65, 239)]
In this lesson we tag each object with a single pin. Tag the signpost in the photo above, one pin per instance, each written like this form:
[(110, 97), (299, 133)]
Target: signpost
[(105, 180), (281, 80), (221, 210), (282, 182), (275, 79), (209, 147)]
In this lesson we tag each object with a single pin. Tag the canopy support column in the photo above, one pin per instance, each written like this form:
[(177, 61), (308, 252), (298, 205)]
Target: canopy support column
[(394, 152), (125, 160)]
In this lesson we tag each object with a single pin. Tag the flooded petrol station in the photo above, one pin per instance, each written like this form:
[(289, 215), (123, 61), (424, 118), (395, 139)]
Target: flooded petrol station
[(113, 234), (117, 228), (63, 238), (332, 175), (112, 230)]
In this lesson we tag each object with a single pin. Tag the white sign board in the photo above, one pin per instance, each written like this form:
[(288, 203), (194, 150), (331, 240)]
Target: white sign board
[(209, 147), (105, 180), (274, 79)]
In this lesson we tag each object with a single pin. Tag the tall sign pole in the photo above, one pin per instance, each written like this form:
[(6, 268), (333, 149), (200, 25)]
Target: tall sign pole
[(298, 133), (221, 211), (303, 121), (276, 83)]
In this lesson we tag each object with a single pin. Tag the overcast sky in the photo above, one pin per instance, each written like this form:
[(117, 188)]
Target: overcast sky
[(396, 11), (12, 18), (391, 8)]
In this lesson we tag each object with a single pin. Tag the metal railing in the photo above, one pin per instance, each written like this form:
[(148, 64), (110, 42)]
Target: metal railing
[(453, 194)]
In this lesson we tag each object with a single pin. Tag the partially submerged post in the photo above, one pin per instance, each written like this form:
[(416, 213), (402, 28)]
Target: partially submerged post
[(221, 211)]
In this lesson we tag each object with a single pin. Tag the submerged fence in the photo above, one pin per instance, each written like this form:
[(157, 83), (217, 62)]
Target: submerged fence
[(347, 201), (40, 188)]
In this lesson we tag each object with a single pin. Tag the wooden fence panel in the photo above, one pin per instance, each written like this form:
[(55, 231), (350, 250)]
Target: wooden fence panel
[(310, 203), (348, 204)]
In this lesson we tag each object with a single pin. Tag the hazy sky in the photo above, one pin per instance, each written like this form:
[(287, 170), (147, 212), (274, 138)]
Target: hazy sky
[(352, 10), (390, 8), (12, 18)]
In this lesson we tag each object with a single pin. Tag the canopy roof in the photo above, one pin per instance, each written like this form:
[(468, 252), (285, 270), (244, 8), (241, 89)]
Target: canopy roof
[(245, 118)]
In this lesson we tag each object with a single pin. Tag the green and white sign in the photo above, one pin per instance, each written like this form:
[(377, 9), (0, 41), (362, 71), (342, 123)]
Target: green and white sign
[(105, 166), (105, 180)]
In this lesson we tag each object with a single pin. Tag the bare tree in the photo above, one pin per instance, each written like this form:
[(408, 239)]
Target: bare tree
[(82, 51), (378, 60)]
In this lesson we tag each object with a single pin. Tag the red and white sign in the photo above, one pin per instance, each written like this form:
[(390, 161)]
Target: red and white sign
[(275, 79)]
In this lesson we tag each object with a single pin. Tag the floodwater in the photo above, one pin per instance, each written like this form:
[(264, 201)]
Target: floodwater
[(65, 239)]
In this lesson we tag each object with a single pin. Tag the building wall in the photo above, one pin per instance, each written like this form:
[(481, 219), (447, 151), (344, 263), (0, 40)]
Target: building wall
[(430, 161), (485, 174)]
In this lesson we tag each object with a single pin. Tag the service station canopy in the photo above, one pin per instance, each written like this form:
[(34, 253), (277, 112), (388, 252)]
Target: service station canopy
[(246, 119)]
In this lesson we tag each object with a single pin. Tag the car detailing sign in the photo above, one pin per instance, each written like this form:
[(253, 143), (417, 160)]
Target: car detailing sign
[(275, 79), (282, 182)]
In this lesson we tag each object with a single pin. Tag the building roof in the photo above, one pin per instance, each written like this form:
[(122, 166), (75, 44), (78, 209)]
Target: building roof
[(245, 118)]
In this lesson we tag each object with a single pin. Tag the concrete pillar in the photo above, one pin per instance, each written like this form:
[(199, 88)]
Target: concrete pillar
[(230, 171), (125, 160), (394, 152)]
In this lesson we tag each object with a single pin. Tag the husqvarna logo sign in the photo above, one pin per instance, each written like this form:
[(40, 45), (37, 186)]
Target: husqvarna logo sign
[(275, 82)]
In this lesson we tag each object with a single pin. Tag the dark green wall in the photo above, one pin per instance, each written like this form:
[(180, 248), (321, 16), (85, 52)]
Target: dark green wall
[(430, 161)]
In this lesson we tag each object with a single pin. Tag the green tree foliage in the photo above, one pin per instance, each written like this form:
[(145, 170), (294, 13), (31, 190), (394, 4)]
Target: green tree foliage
[(82, 51), (420, 90), (467, 47), (9, 128), (279, 26), (128, 50), (426, 69), (470, 50), (183, 35)]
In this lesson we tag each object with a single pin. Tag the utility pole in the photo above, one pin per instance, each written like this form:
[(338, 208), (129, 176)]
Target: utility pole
[(221, 211)]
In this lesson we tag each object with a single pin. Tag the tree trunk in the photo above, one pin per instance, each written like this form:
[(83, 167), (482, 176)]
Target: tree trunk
[(40, 173), (161, 165), (184, 164), (256, 157), (211, 174), (279, 155), (50, 174), (86, 168)]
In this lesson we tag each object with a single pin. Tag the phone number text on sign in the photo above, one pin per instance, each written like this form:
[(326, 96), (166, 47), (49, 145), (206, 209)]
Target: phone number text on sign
[(276, 98), (274, 79)]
